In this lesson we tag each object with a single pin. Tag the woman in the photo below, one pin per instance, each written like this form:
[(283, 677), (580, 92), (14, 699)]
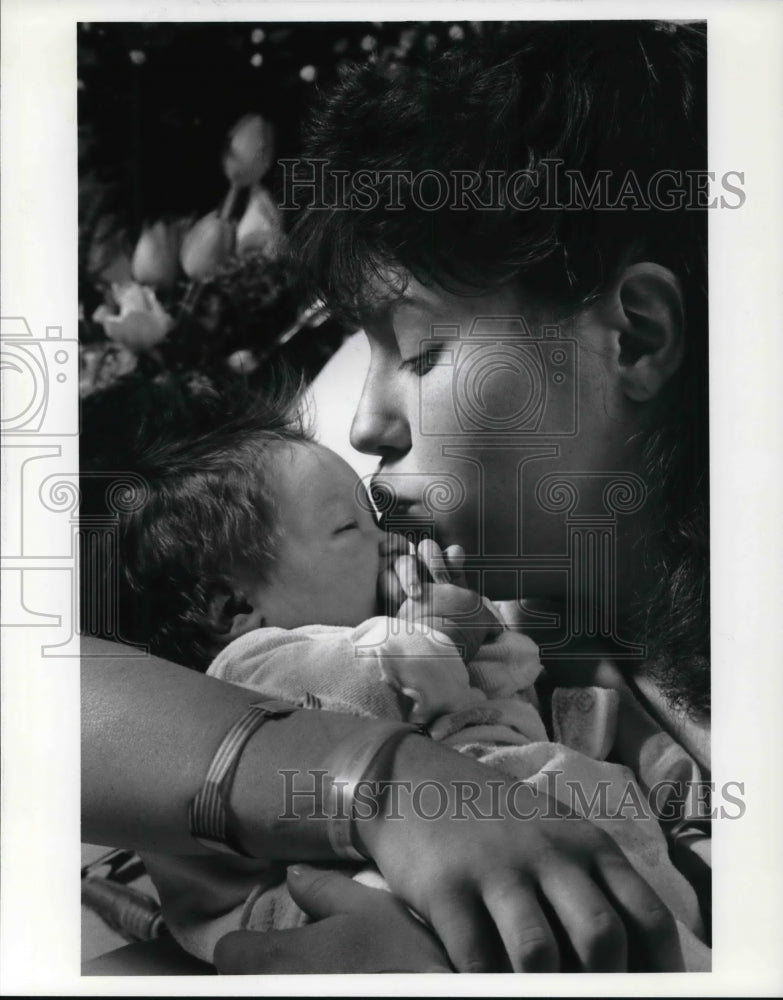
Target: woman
[(537, 345)]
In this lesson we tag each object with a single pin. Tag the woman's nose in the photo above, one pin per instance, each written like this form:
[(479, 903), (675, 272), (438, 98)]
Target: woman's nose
[(380, 425)]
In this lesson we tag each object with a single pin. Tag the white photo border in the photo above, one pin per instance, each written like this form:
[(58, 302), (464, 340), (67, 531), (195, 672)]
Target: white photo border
[(39, 919)]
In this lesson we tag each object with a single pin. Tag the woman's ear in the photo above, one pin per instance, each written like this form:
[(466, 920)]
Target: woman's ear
[(230, 614), (649, 315)]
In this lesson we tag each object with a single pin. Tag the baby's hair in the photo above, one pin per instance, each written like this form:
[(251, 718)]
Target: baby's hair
[(196, 505)]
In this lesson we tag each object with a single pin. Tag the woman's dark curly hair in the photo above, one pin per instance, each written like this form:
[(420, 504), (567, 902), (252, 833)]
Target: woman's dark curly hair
[(616, 97), (174, 496)]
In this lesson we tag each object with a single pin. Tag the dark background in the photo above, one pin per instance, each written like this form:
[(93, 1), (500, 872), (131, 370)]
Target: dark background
[(156, 101)]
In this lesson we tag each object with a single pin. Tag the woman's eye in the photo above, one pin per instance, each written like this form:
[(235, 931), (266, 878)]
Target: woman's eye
[(423, 362)]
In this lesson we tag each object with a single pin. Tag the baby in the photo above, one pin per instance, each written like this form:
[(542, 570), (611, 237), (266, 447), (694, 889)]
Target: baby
[(253, 551)]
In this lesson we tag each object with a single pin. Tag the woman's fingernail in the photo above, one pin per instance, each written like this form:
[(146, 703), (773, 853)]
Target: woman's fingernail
[(295, 871)]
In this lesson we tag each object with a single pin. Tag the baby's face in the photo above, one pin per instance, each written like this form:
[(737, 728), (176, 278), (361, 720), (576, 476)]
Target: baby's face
[(328, 557)]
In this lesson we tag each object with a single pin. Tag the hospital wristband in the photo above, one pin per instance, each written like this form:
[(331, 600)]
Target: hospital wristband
[(209, 811), (347, 767)]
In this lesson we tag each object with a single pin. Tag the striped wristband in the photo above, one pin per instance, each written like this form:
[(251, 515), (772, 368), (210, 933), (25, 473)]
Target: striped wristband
[(209, 811)]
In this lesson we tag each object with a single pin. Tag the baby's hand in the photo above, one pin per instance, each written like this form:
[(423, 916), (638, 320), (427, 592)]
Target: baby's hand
[(410, 570), (460, 614), (441, 565)]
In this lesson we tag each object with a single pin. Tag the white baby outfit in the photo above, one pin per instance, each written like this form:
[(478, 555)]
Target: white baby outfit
[(386, 668)]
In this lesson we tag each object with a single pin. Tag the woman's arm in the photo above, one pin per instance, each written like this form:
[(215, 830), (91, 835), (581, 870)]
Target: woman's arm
[(475, 868), (149, 732)]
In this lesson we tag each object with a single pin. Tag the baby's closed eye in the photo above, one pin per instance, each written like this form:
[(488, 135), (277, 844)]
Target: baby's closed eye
[(347, 526)]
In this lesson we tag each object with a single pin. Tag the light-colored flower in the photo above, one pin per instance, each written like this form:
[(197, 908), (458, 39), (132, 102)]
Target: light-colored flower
[(156, 257), (261, 226), (250, 150), (207, 246), (141, 322)]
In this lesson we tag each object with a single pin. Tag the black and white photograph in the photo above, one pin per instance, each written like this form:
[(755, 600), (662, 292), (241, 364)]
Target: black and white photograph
[(374, 517)]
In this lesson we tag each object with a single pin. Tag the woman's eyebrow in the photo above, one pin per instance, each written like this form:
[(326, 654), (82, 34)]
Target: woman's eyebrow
[(382, 309)]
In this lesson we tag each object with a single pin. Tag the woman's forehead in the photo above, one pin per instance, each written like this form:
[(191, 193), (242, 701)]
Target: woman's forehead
[(509, 301)]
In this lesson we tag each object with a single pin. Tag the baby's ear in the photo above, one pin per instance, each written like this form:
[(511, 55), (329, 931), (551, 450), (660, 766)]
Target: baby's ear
[(229, 614)]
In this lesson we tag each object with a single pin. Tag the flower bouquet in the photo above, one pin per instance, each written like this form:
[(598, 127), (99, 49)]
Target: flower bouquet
[(215, 295)]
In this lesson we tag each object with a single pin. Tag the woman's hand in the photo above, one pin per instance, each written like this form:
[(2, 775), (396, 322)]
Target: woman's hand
[(356, 929), (507, 883)]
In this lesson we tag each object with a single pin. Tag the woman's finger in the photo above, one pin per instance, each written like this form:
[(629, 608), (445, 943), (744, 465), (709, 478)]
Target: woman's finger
[(653, 940), (467, 933), (592, 925), (325, 893), (314, 948), (523, 926), (347, 943)]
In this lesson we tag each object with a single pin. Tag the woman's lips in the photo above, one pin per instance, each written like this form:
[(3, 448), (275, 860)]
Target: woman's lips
[(403, 512)]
